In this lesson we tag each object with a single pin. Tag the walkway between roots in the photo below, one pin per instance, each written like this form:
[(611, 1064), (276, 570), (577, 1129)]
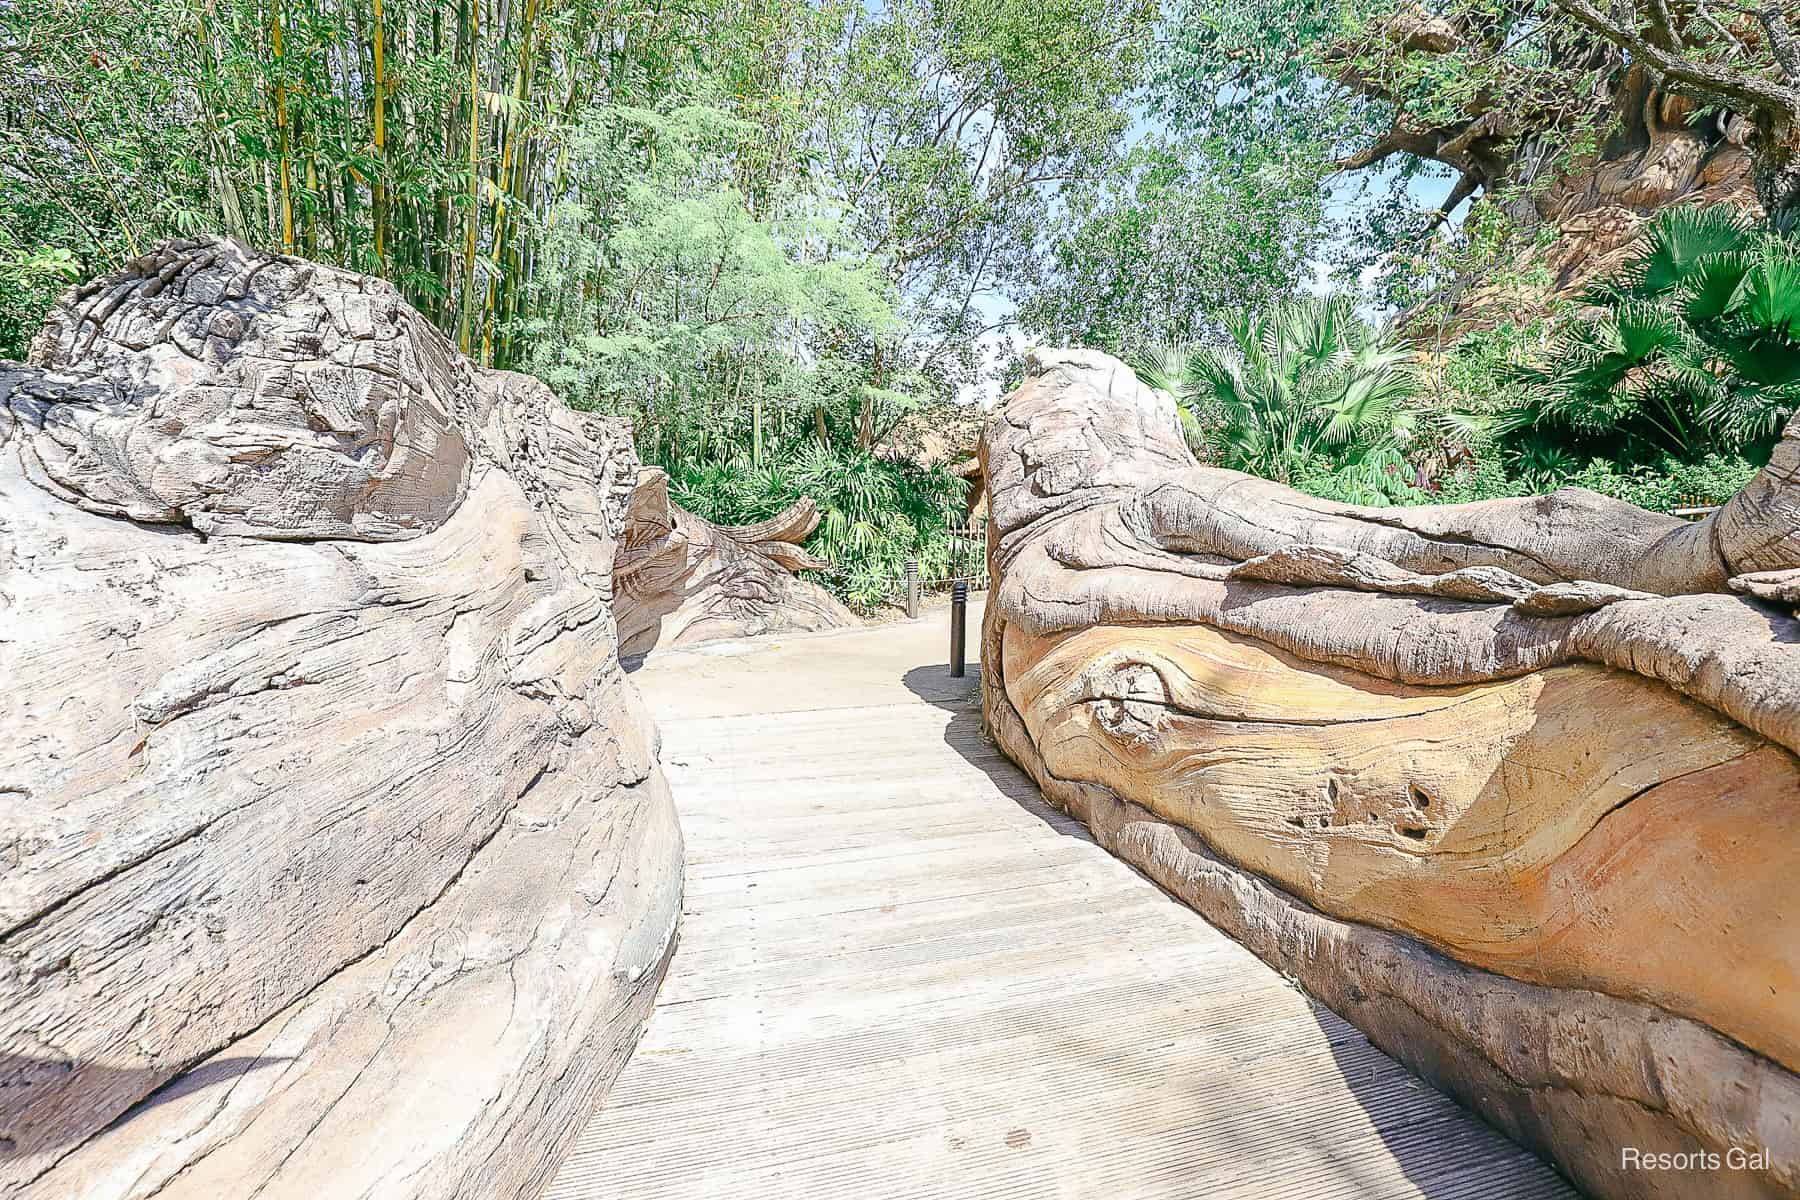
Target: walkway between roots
[(902, 974)]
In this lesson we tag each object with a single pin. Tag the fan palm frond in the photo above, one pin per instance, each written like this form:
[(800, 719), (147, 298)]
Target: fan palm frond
[(1165, 368), (1676, 241), (1753, 414), (1713, 287), (1771, 293), (1301, 376)]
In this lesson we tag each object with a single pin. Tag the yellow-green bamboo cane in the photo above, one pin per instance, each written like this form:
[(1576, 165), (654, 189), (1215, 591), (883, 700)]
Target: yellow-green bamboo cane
[(281, 129), (466, 301), (378, 192), (504, 198)]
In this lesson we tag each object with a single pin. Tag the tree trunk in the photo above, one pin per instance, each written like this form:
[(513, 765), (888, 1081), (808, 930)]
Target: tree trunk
[(1776, 167)]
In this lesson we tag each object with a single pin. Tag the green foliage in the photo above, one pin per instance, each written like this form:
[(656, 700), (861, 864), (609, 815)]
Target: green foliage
[(1668, 483), (962, 129), (1157, 252), (762, 231), (874, 513), (1660, 486), (1694, 348), (746, 339), (1484, 479), (29, 280), (1304, 376), (1669, 385), (1310, 394), (1490, 250), (1509, 100), (714, 327), (491, 160), (1478, 93)]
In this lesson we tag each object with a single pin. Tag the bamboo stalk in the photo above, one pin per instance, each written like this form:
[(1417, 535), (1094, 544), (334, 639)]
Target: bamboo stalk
[(465, 301), (756, 422), (62, 198), (126, 224), (231, 207), (309, 211), (504, 199), (281, 128), (378, 190)]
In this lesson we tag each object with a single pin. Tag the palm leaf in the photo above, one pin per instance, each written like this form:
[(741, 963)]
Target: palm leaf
[(1164, 368), (1713, 287), (1676, 242), (1645, 331), (1752, 414), (1771, 293)]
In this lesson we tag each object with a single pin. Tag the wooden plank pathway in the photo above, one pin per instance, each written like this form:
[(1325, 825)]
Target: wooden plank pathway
[(902, 975)]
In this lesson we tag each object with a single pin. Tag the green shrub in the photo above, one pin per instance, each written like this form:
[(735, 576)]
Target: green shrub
[(1486, 480), (1692, 349), (1669, 484), (1662, 486), (1310, 394), (874, 513)]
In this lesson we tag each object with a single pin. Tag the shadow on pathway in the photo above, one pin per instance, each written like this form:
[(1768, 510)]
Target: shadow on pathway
[(1414, 1121)]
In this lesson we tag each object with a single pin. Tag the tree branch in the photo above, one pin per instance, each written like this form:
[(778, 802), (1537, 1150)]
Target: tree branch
[(1713, 81), (1781, 41)]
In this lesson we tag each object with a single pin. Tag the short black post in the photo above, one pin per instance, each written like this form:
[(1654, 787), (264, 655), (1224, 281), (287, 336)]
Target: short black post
[(959, 623)]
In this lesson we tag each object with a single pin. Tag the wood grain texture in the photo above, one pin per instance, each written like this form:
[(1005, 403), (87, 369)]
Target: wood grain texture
[(1501, 823), (1540, 735), (901, 974), (1576, 1074), (337, 857), (680, 579)]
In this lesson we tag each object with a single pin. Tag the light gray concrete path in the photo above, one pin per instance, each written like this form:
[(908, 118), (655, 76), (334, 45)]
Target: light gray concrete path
[(901, 974)]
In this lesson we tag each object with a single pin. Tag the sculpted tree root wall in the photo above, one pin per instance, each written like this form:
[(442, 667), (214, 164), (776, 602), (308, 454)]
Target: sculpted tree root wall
[(337, 859), (1510, 785), (681, 579)]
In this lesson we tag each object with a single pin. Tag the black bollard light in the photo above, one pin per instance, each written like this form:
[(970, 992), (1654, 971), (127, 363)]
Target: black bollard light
[(959, 621)]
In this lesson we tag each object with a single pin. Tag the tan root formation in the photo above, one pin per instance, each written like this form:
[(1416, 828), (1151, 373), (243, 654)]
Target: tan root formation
[(681, 579), (338, 862), (1553, 739)]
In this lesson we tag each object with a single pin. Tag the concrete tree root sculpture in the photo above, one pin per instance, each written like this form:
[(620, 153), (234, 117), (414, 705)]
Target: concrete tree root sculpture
[(1510, 785), (338, 862), (681, 579)]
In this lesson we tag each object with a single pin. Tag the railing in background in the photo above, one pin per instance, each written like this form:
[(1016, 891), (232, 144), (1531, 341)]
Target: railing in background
[(1694, 508), (968, 554), (906, 591)]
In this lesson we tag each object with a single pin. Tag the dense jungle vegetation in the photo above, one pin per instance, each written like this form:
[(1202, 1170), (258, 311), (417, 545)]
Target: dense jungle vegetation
[(768, 230)]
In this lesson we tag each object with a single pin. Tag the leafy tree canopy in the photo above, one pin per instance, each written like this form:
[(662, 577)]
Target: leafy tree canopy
[(765, 231)]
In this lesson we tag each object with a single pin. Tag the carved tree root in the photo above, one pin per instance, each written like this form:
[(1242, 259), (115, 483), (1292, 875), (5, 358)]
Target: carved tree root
[(681, 579), (1540, 735), (337, 857)]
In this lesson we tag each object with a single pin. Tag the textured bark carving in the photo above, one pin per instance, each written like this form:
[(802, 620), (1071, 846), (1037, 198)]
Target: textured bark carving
[(1664, 149), (1541, 736), (337, 857), (682, 579)]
